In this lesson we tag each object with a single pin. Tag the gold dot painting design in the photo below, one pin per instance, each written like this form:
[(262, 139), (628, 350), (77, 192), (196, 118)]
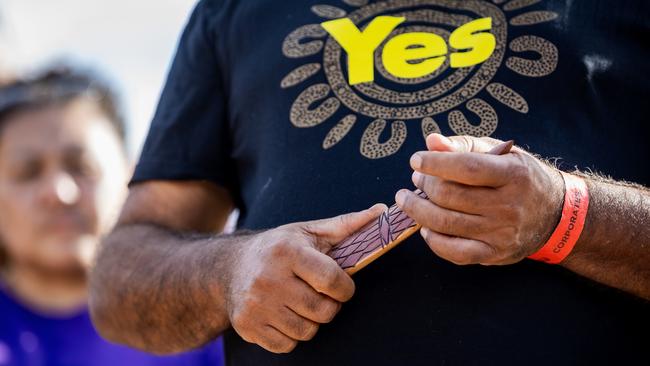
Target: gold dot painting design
[(447, 94)]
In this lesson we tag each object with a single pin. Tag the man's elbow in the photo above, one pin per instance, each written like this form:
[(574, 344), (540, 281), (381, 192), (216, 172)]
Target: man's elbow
[(103, 310), (115, 326), (106, 304), (118, 323), (100, 316)]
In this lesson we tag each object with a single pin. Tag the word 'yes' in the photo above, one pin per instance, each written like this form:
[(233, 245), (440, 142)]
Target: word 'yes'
[(409, 55)]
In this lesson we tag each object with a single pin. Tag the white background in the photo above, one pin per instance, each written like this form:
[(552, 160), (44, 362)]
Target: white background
[(131, 42)]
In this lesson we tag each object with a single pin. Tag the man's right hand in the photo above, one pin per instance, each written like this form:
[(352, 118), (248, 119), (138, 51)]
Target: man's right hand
[(283, 285), (162, 292)]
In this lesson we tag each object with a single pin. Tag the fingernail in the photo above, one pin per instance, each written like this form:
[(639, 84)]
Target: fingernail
[(400, 197), (417, 178), (503, 148), (416, 161), (377, 206), (424, 232)]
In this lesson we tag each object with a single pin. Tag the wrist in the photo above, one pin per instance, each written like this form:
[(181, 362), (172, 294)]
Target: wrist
[(570, 227), (231, 258), (553, 214)]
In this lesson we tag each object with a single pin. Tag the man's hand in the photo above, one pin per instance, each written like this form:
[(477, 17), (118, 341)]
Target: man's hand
[(165, 282), (283, 284), (486, 209), (491, 209)]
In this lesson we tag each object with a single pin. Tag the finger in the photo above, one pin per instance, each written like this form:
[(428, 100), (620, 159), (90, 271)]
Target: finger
[(436, 218), (502, 148), (293, 325), (311, 305), (455, 196), (332, 230), (467, 168), (457, 250), (323, 274), (274, 341), (437, 142)]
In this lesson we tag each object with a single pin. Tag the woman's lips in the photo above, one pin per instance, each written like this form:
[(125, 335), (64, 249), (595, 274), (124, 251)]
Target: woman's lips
[(65, 224)]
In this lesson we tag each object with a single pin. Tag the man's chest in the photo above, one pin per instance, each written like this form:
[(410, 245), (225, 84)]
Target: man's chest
[(552, 78)]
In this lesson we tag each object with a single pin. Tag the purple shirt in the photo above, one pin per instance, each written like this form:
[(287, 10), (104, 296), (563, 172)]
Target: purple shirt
[(31, 339)]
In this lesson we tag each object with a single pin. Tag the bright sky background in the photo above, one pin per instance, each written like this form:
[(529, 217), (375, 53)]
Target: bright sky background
[(131, 42)]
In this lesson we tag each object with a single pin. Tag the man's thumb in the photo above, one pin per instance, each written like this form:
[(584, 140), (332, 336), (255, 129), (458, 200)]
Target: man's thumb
[(437, 142), (331, 231)]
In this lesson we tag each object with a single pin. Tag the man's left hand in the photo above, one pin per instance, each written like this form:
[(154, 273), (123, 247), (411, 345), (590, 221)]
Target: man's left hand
[(482, 209)]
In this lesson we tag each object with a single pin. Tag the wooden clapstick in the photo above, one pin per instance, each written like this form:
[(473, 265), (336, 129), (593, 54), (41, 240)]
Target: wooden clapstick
[(391, 228)]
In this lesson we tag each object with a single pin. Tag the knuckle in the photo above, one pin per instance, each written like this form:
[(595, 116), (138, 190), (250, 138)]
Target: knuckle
[(327, 311), (449, 192), (330, 278), (306, 331), (284, 346), (438, 191), (464, 143), (469, 143), (322, 310), (312, 304), (349, 290), (312, 330), (493, 254), (343, 220), (288, 346), (445, 223)]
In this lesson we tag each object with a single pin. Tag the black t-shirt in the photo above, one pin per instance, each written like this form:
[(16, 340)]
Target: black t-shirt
[(257, 100)]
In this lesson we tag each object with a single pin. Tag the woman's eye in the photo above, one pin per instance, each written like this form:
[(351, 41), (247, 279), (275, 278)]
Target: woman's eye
[(80, 167), (27, 172)]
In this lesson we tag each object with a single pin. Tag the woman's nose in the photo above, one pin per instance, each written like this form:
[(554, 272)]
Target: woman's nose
[(62, 189)]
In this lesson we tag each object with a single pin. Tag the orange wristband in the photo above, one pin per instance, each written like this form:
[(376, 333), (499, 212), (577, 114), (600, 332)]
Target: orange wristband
[(567, 233)]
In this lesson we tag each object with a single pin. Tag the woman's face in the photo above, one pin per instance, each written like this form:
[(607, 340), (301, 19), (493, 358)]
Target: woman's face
[(63, 178)]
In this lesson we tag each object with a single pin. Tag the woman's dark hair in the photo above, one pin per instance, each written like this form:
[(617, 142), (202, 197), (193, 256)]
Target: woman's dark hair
[(60, 85), (54, 86)]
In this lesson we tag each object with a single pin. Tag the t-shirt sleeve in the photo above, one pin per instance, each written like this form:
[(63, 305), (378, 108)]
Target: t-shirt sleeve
[(189, 137)]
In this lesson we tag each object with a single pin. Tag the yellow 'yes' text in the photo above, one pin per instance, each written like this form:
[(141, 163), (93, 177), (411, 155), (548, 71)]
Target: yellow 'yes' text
[(409, 55)]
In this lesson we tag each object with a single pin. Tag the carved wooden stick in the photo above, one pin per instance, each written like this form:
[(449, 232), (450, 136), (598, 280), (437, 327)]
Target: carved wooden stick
[(391, 228)]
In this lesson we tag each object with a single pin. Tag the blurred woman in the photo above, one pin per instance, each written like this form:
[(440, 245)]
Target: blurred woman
[(63, 174)]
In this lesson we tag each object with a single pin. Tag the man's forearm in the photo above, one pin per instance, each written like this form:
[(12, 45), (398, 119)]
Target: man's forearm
[(159, 291), (614, 248)]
